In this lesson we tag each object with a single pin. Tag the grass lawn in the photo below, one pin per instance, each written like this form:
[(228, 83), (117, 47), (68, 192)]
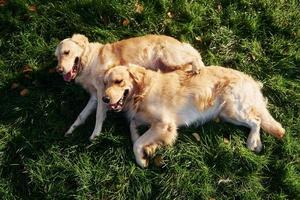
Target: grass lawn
[(259, 37)]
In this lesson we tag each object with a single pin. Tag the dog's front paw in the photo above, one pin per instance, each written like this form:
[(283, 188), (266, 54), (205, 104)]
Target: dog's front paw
[(254, 144), (92, 137), (141, 156), (149, 150), (143, 160), (69, 132)]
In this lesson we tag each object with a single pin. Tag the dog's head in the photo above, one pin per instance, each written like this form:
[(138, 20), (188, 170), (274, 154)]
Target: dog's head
[(69, 53), (120, 83)]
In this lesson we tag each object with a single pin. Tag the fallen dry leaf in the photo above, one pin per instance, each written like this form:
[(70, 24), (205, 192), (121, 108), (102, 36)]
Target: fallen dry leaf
[(219, 7), (227, 180), (170, 15), (196, 136), (52, 70), (3, 2), (26, 69), (24, 92), (198, 38), (159, 161), (226, 141), (253, 57), (125, 22), (14, 86), (139, 8), (32, 8)]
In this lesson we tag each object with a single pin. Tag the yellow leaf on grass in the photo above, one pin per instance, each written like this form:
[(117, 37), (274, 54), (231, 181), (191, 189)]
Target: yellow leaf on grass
[(3, 2), (14, 86), (139, 8), (24, 92), (32, 8), (125, 22), (219, 8), (196, 136), (198, 38), (226, 141), (26, 69), (170, 15)]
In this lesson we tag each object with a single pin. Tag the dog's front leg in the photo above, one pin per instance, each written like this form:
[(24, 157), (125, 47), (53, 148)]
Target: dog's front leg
[(100, 116), (133, 130), (162, 133), (88, 109), (139, 147)]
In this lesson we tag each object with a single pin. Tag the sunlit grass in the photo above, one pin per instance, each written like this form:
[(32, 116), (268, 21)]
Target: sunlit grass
[(260, 38)]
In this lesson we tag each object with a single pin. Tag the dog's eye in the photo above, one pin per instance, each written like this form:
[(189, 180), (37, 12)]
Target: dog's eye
[(66, 52), (118, 81)]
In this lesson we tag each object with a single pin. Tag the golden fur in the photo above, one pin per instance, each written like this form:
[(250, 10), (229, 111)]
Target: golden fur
[(168, 100), (84, 61)]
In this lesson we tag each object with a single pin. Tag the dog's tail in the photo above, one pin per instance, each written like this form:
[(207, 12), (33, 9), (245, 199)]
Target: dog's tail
[(270, 125)]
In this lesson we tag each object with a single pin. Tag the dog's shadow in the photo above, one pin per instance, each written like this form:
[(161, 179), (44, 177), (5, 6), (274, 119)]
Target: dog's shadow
[(32, 124), (34, 121)]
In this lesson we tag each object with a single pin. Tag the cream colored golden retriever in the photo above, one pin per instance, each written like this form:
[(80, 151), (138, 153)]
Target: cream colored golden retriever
[(81, 60), (168, 100)]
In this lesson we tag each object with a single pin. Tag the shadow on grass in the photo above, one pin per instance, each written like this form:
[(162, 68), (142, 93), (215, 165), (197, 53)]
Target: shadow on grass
[(37, 122), (32, 124)]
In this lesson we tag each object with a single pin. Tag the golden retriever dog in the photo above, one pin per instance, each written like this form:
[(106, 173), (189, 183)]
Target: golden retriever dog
[(81, 60), (168, 100)]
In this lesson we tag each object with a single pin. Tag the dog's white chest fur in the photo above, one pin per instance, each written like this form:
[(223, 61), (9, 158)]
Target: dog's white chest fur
[(190, 114)]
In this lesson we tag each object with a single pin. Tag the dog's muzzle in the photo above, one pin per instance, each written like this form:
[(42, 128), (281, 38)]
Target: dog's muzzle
[(117, 107), (74, 71)]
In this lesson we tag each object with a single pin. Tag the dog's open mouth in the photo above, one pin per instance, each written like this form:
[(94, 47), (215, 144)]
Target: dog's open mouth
[(73, 72), (117, 107)]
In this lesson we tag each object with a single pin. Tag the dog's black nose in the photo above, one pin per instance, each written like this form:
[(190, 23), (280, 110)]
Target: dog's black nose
[(106, 99), (59, 69)]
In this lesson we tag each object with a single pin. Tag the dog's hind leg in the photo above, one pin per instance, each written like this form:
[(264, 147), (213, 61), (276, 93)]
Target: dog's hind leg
[(253, 141), (249, 117), (188, 57), (88, 109)]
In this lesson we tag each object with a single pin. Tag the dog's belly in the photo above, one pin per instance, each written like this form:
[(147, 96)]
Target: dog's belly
[(189, 114)]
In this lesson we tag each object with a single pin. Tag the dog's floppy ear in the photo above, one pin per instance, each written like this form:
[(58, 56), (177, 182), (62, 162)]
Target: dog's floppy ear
[(81, 40), (56, 53), (137, 73)]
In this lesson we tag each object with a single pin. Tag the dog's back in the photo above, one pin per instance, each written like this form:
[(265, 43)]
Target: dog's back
[(200, 97)]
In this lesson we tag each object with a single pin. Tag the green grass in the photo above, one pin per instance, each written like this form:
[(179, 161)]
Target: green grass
[(261, 38)]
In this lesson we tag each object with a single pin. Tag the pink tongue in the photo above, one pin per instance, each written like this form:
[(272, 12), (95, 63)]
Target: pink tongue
[(68, 76), (114, 106)]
